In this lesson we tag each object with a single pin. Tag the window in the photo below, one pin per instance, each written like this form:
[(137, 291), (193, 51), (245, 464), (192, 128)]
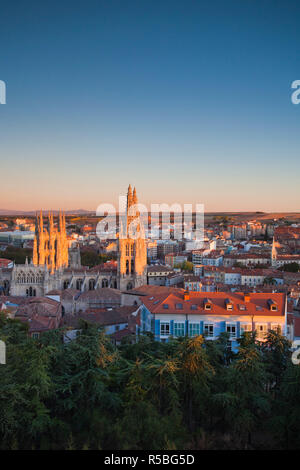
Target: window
[(229, 305), (261, 330), (246, 327), (166, 306), (178, 329), (165, 329), (208, 330), (35, 335), (276, 327), (231, 329), (194, 329), (193, 307), (178, 306), (272, 305), (207, 304)]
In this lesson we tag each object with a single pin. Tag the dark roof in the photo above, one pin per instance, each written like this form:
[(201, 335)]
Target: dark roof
[(103, 317), (159, 268), (148, 290), (105, 293), (118, 335)]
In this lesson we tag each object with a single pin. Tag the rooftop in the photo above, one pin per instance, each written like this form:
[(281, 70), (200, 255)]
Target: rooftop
[(255, 304)]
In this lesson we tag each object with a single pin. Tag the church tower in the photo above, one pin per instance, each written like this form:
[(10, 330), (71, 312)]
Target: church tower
[(50, 246), (132, 251)]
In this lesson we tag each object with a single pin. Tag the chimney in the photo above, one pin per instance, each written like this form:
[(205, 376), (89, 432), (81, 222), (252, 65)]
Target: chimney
[(186, 295), (246, 297)]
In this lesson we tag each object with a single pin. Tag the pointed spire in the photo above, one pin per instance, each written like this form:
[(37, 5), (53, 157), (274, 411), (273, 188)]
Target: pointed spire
[(129, 197), (41, 221), (135, 199), (51, 224), (36, 222), (64, 222)]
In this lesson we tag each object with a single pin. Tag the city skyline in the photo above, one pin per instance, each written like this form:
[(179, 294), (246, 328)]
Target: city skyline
[(191, 101), (149, 228)]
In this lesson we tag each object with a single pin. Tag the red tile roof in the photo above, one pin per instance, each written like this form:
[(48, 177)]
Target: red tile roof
[(41, 313), (257, 305), (102, 316), (287, 233), (4, 263), (118, 335)]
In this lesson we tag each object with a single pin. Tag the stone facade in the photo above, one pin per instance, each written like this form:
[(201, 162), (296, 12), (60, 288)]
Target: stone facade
[(50, 246), (55, 267), (132, 250)]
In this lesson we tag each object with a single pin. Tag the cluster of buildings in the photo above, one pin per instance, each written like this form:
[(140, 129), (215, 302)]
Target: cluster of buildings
[(230, 283)]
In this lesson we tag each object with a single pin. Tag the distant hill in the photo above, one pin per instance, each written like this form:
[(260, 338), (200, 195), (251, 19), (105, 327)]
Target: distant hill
[(45, 211), (258, 215), (209, 216)]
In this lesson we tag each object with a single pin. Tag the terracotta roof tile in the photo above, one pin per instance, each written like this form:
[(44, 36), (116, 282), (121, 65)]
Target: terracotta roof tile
[(258, 304)]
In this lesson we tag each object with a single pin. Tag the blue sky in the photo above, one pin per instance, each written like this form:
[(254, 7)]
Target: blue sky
[(188, 100)]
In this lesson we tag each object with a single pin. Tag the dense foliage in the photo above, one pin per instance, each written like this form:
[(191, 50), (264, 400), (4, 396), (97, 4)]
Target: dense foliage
[(186, 394), (18, 255), (186, 266), (92, 258), (290, 267)]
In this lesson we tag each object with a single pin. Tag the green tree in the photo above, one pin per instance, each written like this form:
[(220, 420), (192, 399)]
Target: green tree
[(245, 401), (276, 355), (284, 423), (290, 267), (195, 371)]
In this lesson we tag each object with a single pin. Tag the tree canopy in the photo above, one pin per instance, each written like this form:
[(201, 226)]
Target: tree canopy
[(188, 393)]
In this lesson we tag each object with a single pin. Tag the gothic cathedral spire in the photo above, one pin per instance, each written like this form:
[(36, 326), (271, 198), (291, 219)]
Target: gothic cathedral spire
[(132, 252), (50, 246)]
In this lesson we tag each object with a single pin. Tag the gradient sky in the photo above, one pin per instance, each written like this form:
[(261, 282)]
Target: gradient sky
[(188, 100)]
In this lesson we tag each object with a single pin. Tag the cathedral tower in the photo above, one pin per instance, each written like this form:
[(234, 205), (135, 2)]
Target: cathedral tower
[(132, 251), (50, 246)]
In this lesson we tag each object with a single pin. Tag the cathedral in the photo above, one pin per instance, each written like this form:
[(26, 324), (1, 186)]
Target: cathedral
[(50, 247), (132, 251), (56, 266)]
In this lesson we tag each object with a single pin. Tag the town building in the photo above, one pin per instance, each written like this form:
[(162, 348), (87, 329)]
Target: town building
[(173, 259), (184, 313), (56, 266), (158, 274)]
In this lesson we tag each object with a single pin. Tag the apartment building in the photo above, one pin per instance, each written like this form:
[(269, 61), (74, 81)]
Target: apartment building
[(182, 313)]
